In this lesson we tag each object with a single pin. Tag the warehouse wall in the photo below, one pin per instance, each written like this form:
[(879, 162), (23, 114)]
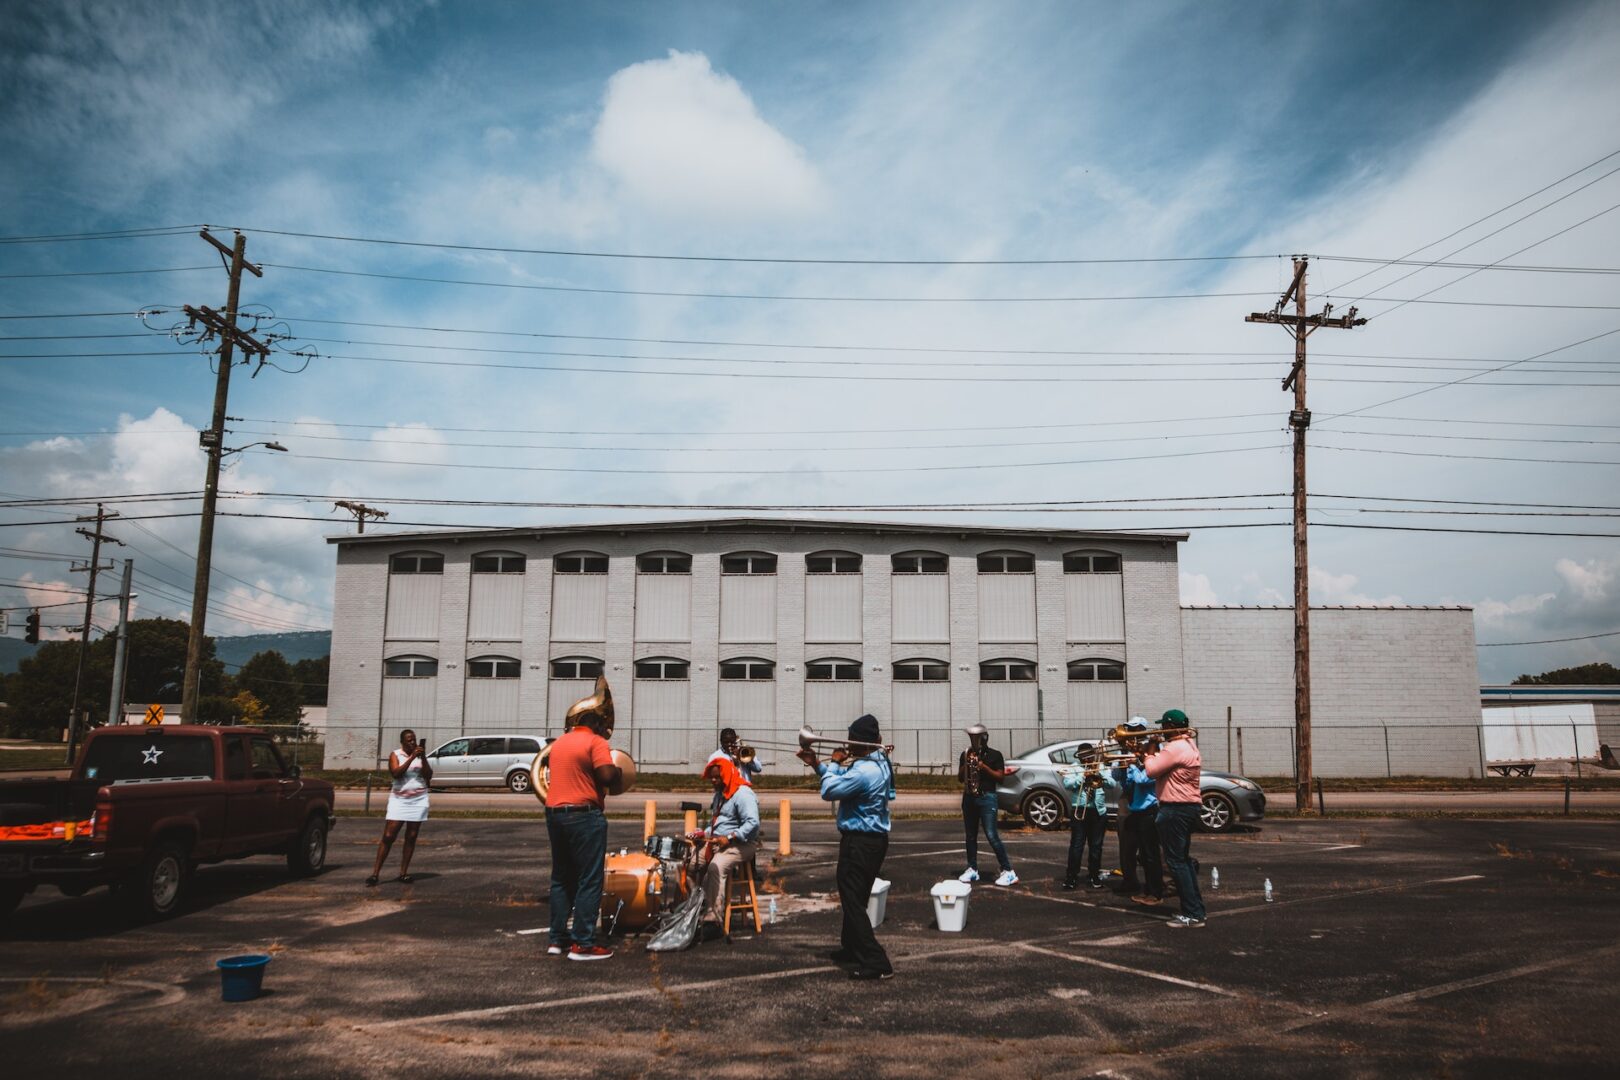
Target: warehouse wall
[(1393, 690)]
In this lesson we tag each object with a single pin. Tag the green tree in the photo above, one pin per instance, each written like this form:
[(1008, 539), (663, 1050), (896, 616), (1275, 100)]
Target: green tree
[(312, 676), (270, 679), (1585, 675)]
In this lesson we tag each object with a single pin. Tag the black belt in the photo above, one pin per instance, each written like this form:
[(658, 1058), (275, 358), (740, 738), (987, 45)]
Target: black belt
[(575, 806)]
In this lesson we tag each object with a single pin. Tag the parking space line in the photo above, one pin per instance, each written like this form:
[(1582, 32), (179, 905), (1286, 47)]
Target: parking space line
[(1342, 894), (1094, 962)]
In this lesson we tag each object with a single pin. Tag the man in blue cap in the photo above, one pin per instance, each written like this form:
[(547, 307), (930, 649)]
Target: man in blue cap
[(860, 779)]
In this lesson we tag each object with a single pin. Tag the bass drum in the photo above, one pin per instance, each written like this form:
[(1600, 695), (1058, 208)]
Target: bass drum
[(632, 890)]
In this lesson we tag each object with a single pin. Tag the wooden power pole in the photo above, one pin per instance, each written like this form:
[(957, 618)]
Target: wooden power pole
[(223, 326), (96, 539), (1300, 326)]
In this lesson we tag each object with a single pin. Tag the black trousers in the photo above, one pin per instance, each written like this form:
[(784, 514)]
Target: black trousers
[(860, 857), (1139, 842), (1086, 832)]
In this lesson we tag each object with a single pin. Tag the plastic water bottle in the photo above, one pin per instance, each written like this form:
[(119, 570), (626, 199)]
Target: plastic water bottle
[(1215, 877), (773, 911), (1268, 890)]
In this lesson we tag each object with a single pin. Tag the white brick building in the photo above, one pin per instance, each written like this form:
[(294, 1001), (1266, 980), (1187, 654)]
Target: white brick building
[(768, 624)]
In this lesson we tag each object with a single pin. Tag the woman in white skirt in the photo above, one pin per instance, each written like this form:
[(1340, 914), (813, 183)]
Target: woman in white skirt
[(407, 803)]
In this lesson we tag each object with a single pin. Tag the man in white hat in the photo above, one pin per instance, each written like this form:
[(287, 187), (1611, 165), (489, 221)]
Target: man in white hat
[(978, 769)]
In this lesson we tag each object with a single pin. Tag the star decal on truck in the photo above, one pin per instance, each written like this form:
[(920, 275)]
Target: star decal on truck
[(150, 755)]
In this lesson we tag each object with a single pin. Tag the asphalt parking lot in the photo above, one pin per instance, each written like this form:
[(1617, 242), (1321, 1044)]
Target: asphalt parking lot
[(1435, 947)]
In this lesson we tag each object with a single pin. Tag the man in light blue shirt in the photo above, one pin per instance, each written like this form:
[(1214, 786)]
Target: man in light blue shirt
[(1138, 832), (733, 836), (1088, 823), (863, 788)]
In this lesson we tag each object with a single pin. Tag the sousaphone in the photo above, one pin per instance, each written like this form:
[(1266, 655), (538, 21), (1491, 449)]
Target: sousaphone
[(599, 706)]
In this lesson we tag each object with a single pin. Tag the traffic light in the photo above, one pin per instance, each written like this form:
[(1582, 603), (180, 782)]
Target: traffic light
[(31, 628)]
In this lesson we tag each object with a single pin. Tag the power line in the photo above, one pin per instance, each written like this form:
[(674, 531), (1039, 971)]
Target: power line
[(1545, 641), (1462, 457), (103, 234), (105, 273)]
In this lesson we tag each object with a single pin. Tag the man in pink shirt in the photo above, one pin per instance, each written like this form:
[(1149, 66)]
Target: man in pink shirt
[(1177, 769)]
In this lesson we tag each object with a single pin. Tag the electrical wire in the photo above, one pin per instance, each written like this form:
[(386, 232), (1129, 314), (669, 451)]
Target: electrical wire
[(1546, 641)]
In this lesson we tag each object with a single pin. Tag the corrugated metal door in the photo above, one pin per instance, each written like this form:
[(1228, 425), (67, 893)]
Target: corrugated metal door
[(922, 607), (921, 731), (408, 701), (492, 704), (750, 707), (1006, 607), (579, 607), (495, 611), (663, 607), (830, 706), (413, 607), (832, 607), (560, 694), (748, 607), (659, 727), (1095, 606), (1013, 704), (1101, 703)]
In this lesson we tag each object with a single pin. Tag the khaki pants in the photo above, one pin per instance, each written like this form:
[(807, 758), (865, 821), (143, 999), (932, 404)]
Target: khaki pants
[(717, 878)]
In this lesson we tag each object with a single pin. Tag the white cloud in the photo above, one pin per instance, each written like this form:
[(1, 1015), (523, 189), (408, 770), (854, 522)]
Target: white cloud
[(682, 138), (1196, 591), (1329, 589), (1588, 581)]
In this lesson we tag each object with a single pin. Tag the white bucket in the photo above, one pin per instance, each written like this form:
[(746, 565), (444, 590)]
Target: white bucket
[(950, 905), (877, 906)]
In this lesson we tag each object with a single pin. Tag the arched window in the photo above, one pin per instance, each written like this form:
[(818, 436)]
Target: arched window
[(1091, 562), (1006, 562), (416, 562), (920, 562), (576, 667), (922, 670), (833, 669), (1007, 670), (748, 562), (494, 667), (748, 668), (832, 562), (1096, 669), (498, 562), (580, 562), (410, 667), (662, 667), (663, 562)]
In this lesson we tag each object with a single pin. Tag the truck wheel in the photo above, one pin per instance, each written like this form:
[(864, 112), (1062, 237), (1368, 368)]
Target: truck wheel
[(157, 888), (11, 894), (307, 856)]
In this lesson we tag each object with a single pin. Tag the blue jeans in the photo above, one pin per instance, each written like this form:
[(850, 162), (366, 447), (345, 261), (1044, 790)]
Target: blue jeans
[(980, 811), (1176, 822), (578, 848)]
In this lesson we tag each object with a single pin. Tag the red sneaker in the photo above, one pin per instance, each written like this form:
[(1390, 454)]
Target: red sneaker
[(593, 952)]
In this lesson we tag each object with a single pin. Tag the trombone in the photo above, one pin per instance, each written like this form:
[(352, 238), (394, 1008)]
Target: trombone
[(809, 740)]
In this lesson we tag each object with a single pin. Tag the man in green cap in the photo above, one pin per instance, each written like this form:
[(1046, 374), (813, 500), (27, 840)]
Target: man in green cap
[(1177, 770)]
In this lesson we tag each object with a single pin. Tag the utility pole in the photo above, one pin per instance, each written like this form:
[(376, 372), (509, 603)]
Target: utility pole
[(360, 511), (115, 695), (1300, 326), (95, 539), (223, 326)]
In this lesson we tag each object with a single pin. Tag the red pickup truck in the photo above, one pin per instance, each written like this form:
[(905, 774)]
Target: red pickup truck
[(146, 805)]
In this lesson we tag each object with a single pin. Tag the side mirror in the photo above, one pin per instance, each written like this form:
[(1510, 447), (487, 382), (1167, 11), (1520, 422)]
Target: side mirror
[(294, 771)]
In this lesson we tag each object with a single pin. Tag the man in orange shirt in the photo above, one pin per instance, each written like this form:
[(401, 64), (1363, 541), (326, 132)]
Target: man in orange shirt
[(1177, 770), (582, 771)]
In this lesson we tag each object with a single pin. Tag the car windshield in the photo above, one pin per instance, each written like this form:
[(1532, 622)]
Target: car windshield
[(127, 759)]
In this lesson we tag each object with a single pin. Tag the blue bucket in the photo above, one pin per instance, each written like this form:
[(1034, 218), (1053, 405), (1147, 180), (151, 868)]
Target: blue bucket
[(241, 977)]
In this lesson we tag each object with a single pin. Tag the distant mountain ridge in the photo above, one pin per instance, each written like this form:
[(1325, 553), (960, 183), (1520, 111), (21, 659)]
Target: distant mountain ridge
[(301, 645)]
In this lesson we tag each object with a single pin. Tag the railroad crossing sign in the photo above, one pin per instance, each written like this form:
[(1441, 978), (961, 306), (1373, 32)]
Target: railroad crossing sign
[(154, 714)]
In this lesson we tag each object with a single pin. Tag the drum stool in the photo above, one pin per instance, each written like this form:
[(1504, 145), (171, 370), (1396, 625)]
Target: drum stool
[(737, 897)]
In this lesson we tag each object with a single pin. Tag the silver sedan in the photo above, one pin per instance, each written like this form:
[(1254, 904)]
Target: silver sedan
[(1036, 790)]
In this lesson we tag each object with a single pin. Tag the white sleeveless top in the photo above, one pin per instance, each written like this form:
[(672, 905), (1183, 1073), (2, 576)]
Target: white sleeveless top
[(410, 785)]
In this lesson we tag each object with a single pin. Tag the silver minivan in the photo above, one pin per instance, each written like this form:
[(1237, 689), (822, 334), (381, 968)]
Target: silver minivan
[(486, 761)]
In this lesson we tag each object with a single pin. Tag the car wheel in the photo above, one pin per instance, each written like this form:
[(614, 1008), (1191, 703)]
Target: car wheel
[(307, 856), (1044, 810), (156, 890), (519, 781), (1218, 813)]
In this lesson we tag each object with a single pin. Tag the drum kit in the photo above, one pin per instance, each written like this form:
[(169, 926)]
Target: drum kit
[(640, 886)]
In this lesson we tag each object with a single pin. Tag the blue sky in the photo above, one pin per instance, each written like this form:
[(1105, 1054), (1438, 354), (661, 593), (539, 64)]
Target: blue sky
[(907, 131)]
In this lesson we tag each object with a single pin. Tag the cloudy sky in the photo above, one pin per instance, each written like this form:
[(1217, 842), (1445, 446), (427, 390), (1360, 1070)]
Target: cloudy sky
[(1185, 150)]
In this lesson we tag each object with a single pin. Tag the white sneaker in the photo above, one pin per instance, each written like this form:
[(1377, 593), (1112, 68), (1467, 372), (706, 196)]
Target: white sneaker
[(969, 874), (1007, 878)]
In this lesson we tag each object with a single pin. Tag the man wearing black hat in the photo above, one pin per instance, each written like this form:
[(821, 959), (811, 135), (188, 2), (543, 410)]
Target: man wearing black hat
[(860, 779)]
